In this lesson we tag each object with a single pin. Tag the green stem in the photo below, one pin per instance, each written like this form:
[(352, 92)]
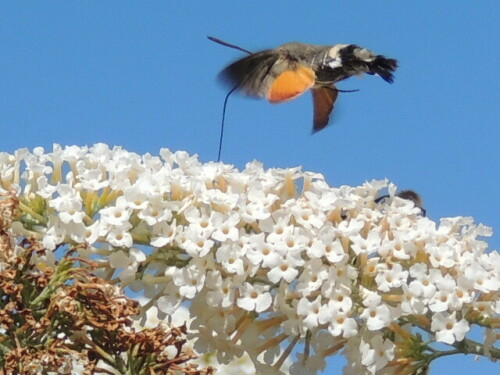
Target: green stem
[(41, 219)]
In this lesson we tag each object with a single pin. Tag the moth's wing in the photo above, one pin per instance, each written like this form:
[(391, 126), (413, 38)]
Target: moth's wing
[(269, 74), (323, 100), (251, 73)]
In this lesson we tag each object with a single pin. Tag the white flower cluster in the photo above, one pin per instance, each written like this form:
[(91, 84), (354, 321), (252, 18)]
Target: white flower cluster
[(267, 261)]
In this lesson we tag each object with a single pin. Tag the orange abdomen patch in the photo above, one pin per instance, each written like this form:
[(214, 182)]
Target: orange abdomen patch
[(291, 84)]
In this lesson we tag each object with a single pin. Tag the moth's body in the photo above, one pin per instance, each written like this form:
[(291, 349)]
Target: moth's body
[(286, 72), (408, 195)]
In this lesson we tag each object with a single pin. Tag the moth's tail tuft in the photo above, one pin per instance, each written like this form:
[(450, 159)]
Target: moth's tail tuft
[(356, 60), (383, 67)]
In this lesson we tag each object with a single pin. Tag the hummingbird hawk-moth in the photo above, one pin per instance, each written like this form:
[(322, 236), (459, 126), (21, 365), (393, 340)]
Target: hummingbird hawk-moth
[(286, 72)]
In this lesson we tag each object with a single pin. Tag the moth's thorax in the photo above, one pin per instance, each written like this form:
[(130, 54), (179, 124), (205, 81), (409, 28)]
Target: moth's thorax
[(324, 57), (302, 52)]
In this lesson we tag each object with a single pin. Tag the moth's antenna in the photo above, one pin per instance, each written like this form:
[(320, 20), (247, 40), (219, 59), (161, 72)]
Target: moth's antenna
[(219, 41)]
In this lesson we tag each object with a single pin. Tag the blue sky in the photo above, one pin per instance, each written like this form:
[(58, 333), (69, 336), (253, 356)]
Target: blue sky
[(142, 75)]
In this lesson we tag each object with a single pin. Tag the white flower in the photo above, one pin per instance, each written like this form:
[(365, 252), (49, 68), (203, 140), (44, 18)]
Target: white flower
[(411, 303), (312, 277), (276, 226), (262, 252), (340, 275), (195, 242), (350, 228), (137, 199), (309, 310), (306, 217), (292, 241), (337, 318), (92, 232), (116, 215), (376, 314), (258, 206), (222, 290), (483, 280), (225, 227), (286, 269), (327, 244), (200, 220), (368, 246), (164, 233), (254, 297), (378, 352), (91, 179), (392, 277), (170, 300), (424, 283), (442, 255), (229, 255), (339, 299), (119, 235), (156, 211), (190, 280), (55, 233), (69, 205), (447, 328)]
